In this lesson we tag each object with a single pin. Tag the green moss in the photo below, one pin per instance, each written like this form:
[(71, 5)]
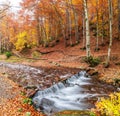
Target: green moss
[(14, 59), (20, 109), (36, 54), (28, 114), (28, 101), (74, 113)]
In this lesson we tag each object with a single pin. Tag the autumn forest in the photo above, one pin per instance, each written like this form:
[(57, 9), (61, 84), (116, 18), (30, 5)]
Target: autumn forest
[(61, 37), (46, 22)]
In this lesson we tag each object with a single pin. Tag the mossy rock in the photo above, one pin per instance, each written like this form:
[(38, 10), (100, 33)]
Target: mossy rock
[(74, 113), (36, 54)]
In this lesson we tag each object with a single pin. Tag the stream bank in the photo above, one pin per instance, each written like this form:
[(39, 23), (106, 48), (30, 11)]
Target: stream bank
[(40, 78)]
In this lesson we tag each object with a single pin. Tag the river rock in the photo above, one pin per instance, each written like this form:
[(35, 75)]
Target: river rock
[(31, 93), (48, 105), (47, 102), (47, 84), (92, 72)]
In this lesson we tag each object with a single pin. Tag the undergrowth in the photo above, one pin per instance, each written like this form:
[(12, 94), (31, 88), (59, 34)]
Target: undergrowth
[(28, 101), (8, 54), (92, 61), (109, 106)]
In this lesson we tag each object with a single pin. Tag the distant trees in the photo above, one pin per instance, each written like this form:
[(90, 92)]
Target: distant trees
[(4, 29)]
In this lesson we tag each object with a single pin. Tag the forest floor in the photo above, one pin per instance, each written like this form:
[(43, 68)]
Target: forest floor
[(58, 56), (72, 57), (12, 100)]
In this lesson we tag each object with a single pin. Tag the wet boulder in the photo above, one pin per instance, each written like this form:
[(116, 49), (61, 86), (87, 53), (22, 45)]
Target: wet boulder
[(46, 102), (92, 72), (48, 106)]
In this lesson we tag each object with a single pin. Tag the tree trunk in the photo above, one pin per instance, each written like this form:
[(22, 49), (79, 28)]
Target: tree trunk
[(56, 32), (61, 23), (87, 29), (76, 27), (76, 23), (83, 21), (102, 29), (0, 43), (69, 21), (97, 31), (119, 19), (70, 29), (110, 30), (38, 30), (43, 32)]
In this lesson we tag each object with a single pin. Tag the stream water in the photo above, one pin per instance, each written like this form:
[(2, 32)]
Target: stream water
[(78, 92)]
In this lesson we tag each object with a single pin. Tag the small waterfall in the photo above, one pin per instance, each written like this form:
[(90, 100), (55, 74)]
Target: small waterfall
[(69, 95), (53, 89), (73, 94)]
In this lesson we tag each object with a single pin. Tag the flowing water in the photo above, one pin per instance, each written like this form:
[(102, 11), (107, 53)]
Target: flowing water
[(79, 92)]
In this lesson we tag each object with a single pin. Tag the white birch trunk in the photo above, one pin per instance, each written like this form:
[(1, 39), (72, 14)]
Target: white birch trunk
[(110, 30), (87, 29)]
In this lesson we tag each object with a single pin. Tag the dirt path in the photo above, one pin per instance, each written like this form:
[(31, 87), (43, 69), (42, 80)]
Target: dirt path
[(8, 89)]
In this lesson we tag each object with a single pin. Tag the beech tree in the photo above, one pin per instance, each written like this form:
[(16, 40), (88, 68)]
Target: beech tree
[(97, 25), (75, 21), (110, 30), (119, 19), (87, 29)]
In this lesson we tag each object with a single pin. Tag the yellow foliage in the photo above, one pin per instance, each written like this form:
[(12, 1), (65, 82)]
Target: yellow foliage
[(109, 106), (21, 40), (76, 2), (24, 39)]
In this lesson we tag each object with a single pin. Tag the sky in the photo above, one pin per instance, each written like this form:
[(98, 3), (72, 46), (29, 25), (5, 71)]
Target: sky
[(14, 3)]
